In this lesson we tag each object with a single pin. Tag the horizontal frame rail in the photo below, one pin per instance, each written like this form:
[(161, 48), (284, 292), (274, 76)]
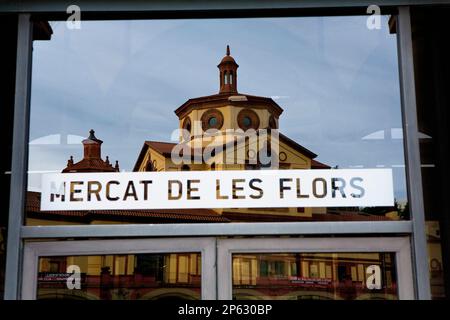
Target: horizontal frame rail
[(32, 6), (217, 229)]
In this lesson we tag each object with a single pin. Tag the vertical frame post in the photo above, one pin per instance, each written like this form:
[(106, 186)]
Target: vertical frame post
[(19, 157), (412, 149)]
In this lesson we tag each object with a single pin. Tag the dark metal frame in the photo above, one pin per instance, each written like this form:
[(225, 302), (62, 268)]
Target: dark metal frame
[(138, 6), (412, 152), (19, 166), (18, 233)]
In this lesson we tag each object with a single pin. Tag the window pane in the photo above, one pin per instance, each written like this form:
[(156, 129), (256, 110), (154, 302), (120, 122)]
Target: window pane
[(104, 96), (121, 277), (324, 276)]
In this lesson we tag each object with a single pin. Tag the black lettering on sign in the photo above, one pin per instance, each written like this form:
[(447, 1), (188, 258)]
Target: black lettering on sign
[(146, 183), (237, 188), (130, 191), (361, 190), (299, 192), (180, 189), (322, 181), (73, 191), (260, 191), (338, 184), (91, 190), (283, 187), (108, 190), (218, 195), (57, 193), (191, 189)]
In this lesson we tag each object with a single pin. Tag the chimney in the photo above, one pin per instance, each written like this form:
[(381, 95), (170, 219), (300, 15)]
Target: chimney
[(92, 146)]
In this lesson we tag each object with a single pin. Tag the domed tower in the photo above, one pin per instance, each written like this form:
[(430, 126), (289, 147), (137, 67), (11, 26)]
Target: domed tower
[(228, 109), (92, 159), (228, 73), (218, 133)]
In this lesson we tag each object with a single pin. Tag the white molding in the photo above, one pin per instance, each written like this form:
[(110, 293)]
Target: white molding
[(218, 229)]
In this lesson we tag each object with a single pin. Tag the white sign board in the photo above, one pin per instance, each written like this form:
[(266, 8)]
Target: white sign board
[(217, 189)]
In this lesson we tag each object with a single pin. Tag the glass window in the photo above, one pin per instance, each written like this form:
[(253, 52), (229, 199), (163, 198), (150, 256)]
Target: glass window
[(120, 277), (324, 276), (109, 98)]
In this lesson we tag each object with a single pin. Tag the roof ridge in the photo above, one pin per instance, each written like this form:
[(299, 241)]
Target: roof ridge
[(149, 141)]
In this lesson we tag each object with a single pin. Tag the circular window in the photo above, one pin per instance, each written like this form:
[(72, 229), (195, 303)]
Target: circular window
[(248, 119), (212, 119)]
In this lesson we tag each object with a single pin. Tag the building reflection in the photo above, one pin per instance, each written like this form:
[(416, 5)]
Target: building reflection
[(295, 276), (289, 276), (123, 277), (224, 118), (255, 276)]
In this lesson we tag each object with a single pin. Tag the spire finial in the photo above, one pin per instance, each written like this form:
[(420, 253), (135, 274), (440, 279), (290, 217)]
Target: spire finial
[(228, 74), (92, 135)]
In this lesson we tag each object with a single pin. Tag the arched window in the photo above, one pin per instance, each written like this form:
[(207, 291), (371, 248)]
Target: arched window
[(231, 77), (150, 166), (225, 78)]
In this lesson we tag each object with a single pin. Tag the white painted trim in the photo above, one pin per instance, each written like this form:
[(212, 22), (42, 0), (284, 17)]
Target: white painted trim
[(323, 228), (399, 245)]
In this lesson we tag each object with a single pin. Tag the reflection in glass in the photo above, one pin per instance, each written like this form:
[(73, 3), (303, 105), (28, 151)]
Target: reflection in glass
[(334, 96), (121, 277), (293, 276)]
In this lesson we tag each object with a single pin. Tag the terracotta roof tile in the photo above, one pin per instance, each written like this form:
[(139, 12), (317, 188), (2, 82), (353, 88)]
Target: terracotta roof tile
[(253, 217), (165, 148), (196, 215), (319, 165), (199, 215), (90, 165)]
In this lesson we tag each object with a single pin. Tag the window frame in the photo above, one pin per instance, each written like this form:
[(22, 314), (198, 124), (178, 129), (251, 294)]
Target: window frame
[(398, 245), (205, 246), (18, 234)]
